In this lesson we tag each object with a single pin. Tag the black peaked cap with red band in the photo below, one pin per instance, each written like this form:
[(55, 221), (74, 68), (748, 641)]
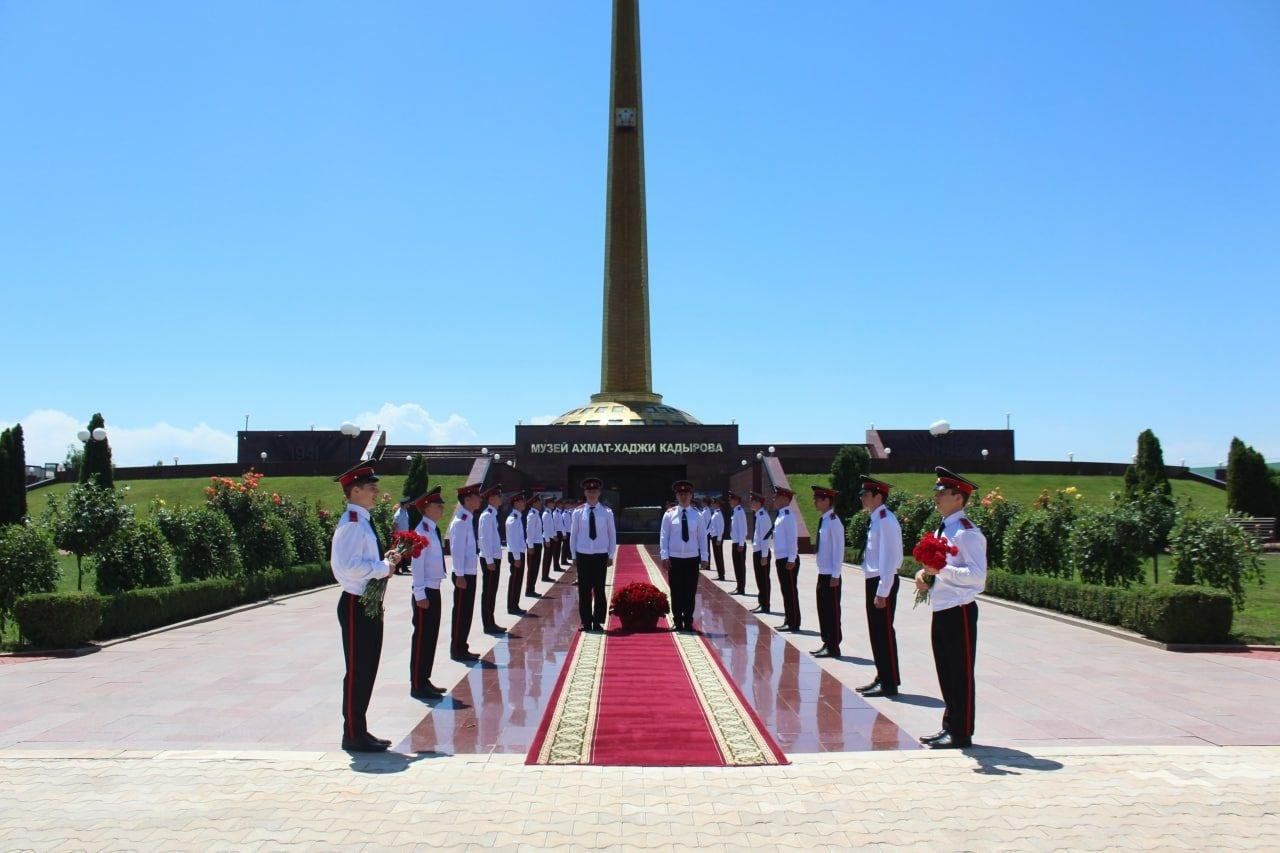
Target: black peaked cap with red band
[(872, 485), (360, 474), (950, 480)]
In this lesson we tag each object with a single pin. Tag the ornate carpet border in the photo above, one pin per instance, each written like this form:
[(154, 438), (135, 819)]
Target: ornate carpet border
[(572, 725)]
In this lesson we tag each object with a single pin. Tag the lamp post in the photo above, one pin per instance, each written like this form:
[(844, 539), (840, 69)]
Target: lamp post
[(1007, 421), (985, 454), (772, 450), (937, 429), (263, 457), (246, 422), (175, 461), (350, 430), (1071, 457), (759, 457)]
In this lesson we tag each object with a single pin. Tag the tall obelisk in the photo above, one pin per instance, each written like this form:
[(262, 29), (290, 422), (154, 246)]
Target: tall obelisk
[(626, 378)]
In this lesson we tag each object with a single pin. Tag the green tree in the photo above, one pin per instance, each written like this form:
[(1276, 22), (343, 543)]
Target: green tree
[(89, 516), (74, 460), (415, 484), (1157, 512), (1250, 490), (97, 456), (1148, 468), (851, 462), (28, 564), (8, 506), (18, 471), (135, 556), (1214, 552)]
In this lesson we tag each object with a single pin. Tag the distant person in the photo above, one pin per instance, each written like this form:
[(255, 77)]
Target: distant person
[(786, 554), (880, 563), (682, 546), (955, 612), (761, 536), (490, 547), (400, 524), (516, 548), (428, 574), (738, 542), (592, 543), (828, 551), (462, 546), (356, 558), (715, 536), (567, 506), (550, 542), (534, 540), (705, 512)]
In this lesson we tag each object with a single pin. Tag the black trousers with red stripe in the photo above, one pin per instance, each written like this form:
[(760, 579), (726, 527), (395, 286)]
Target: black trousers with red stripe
[(562, 553), (531, 570), (683, 580), (739, 567), (955, 644), (884, 639), (789, 586), (593, 572), (550, 554), (426, 632), (490, 578), (829, 613), (763, 584), (515, 580), (717, 554), (464, 611), (361, 649)]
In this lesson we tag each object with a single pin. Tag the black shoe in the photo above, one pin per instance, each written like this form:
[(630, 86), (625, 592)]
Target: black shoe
[(384, 741), (516, 612), (949, 742), (739, 592), (883, 690), (835, 653), (760, 608), (365, 743), (495, 629), (427, 692), (875, 685), (931, 738), (719, 577), (597, 627), (548, 580), (584, 627), (820, 652)]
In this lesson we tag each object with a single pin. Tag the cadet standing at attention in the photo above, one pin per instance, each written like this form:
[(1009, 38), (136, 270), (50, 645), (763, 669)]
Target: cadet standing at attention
[(880, 564), (462, 546), (515, 554), (428, 574), (550, 541), (786, 551), (490, 546), (592, 543), (356, 559), (760, 537), (533, 538), (828, 549), (738, 540), (715, 534), (400, 524), (682, 545)]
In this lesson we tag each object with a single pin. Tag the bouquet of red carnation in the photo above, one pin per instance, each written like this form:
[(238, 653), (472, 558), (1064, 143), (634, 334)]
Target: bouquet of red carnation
[(932, 551), (404, 542), (639, 605)]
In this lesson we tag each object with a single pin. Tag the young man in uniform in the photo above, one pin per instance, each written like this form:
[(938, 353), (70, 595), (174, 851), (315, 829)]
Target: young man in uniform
[(592, 542), (738, 540), (880, 564), (705, 512), (428, 574), (399, 524), (567, 506), (786, 553), (356, 558), (462, 546), (515, 554), (682, 544), (550, 540), (760, 539), (828, 549), (534, 540), (955, 612), (490, 547), (715, 533)]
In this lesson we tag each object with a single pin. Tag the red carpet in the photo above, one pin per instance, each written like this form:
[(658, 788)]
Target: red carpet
[(649, 699)]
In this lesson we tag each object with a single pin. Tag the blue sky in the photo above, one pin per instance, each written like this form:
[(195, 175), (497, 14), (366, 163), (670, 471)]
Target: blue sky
[(394, 212)]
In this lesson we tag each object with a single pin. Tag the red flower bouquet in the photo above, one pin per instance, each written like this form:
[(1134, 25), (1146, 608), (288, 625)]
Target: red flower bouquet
[(931, 551), (408, 542), (639, 606), (404, 542)]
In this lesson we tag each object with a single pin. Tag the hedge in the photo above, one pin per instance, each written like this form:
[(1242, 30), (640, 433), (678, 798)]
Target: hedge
[(1170, 614), (58, 620)]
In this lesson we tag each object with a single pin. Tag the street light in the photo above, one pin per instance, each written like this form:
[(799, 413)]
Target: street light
[(887, 452), (484, 451), (1007, 416), (985, 454), (497, 457), (350, 430), (1071, 457), (83, 435), (759, 457), (175, 460), (772, 450), (939, 428), (246, 422), (744, 463), (263, 456)]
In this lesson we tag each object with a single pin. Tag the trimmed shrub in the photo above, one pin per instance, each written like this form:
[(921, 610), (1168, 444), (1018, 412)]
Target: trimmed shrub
[(28, 565), (267, 543), (136, 556), (307, 534), (1215, 553), (1035, 544), (856, 530), (993, 514), (1105, 546), (204, 543), (284, 581), (917, 516), (143, 609), (58, 620)]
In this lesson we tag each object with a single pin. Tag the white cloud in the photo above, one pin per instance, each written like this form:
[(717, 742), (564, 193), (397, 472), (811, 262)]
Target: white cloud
[(409, 423), (47, 432)]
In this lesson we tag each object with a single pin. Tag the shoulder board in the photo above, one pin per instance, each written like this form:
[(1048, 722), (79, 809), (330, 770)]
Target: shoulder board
[(966, 524), (883, 512), (353, 516)]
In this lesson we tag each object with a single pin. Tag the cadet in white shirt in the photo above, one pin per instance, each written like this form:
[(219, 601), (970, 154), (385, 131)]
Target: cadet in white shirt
[(738, 542), (515, 553), (566, 521), (682, 544), (828, 550), (880, 564), (786, 554), (490, 546), (952, 591), (428, 573), (715, 533), (356, 559), (462, 546), (534, 540), (550, 542), (400, 523), (761, 535), (705, 512), (592, 542)]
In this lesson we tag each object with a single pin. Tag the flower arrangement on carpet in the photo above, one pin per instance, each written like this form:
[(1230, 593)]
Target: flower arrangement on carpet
[(639, 605), (404, 542), (932, 551)]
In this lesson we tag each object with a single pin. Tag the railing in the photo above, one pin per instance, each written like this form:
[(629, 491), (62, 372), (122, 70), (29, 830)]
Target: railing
[(1262, 529)]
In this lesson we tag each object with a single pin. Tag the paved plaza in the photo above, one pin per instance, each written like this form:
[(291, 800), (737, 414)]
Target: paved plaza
[(224, 733)]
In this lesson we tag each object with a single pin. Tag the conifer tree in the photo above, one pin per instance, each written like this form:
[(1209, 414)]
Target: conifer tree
[(850, 463), (415, 484), (1250, 489), (97, 456)]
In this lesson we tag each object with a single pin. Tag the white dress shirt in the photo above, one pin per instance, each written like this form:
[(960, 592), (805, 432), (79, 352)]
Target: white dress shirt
[(965, 574), (764, 526), (462, 544), (883, 556), (670, 541), (401, 522), (580, 541), (354, 558), (515, 534), (566, 521), (716, 528), (428, 568), (548, 525), (786, 542), (830, 551), (533, 529), (490, 544), (738, 526)]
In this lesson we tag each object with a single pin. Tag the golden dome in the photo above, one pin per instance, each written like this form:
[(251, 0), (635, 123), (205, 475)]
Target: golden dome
[(625, 413)]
